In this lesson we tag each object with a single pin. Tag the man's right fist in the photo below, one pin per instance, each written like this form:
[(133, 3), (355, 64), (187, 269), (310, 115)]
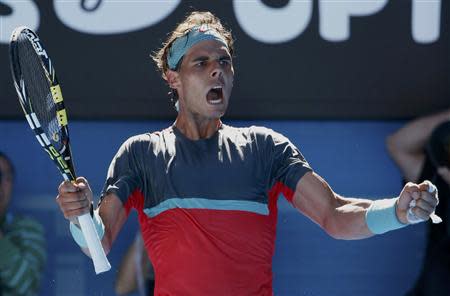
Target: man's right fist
[(74, 198)]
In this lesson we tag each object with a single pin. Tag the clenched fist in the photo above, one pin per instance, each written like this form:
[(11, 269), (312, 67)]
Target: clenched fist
[(74, 198), (419, 199)]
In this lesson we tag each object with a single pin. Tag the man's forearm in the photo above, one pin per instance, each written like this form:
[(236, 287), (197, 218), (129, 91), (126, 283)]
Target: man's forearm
[(348, 221)]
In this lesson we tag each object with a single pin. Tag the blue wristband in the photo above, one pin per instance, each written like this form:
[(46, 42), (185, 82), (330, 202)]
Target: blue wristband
[(381, 216), (77, 234)]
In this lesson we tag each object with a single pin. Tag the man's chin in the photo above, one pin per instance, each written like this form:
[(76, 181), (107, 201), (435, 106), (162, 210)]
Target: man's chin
[(218, 109), (217, 114)]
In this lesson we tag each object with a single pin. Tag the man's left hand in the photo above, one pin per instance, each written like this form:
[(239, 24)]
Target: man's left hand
[(425, 202)]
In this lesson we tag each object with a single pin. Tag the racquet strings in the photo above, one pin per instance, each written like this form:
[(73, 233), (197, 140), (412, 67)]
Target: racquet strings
[(38, 91)]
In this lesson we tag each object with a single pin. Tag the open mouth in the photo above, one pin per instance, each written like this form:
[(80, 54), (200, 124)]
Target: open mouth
[(215, 95)]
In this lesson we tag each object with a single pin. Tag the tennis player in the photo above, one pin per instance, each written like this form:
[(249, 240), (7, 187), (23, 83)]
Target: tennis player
[(206, 192)]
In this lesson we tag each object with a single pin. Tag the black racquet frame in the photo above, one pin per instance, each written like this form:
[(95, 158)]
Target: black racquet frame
[(62, 156)]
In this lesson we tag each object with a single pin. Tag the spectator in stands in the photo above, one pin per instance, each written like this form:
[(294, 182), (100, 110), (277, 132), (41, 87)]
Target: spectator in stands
[(421, 150), (136, 271), (22, 242)]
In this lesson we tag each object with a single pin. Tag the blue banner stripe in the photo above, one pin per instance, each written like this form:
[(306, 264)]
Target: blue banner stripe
[(209, 204)]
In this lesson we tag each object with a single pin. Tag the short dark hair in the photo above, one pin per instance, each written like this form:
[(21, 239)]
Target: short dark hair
[(438, 146)]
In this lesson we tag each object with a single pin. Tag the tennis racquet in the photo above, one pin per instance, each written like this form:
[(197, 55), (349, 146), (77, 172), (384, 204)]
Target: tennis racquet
[(42, 102)]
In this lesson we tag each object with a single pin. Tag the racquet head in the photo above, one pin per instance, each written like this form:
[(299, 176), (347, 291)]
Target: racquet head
[(40, 97), (42, 102)]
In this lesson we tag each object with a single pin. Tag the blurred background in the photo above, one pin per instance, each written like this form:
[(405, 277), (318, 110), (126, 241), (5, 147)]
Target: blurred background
[(335, 77)]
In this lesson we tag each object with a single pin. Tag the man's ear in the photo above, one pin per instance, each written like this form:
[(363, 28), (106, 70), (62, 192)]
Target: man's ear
[(173, 79)]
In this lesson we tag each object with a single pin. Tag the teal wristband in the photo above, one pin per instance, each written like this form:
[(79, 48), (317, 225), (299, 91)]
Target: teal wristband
[(77, 234), (381, 216)]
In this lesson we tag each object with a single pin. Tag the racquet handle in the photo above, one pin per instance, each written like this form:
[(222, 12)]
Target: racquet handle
[(101, 263)]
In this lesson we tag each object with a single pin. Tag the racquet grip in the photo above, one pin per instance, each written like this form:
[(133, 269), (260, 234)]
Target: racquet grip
[(101, 263)]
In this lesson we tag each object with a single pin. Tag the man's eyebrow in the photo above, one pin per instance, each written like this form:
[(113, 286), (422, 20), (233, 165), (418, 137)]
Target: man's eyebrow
[(203, 58), (200, 59)]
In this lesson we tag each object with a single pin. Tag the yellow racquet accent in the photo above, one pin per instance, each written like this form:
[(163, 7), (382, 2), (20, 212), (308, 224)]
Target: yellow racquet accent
[(62, 117), (56, 93)]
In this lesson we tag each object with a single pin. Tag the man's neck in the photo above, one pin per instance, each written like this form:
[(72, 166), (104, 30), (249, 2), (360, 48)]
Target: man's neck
[(197, 129)]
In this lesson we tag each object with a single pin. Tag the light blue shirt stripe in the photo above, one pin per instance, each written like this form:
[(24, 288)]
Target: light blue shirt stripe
[(209, 204)]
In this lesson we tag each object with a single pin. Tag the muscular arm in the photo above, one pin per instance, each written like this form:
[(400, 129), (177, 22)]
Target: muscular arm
[(345, 218), (406, 146), (341, 218), (113, 216)]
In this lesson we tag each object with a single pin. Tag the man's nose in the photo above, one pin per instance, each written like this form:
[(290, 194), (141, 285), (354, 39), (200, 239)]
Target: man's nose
[(216, 71)]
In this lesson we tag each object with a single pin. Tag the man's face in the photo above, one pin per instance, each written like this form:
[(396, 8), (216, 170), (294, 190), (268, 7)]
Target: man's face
[(6, 185), (206, 80)]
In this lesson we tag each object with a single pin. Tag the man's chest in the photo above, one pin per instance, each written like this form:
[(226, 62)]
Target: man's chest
[(219, 173)]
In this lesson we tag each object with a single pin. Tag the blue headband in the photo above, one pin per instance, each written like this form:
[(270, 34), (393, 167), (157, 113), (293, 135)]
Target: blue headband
[(182, 44)]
